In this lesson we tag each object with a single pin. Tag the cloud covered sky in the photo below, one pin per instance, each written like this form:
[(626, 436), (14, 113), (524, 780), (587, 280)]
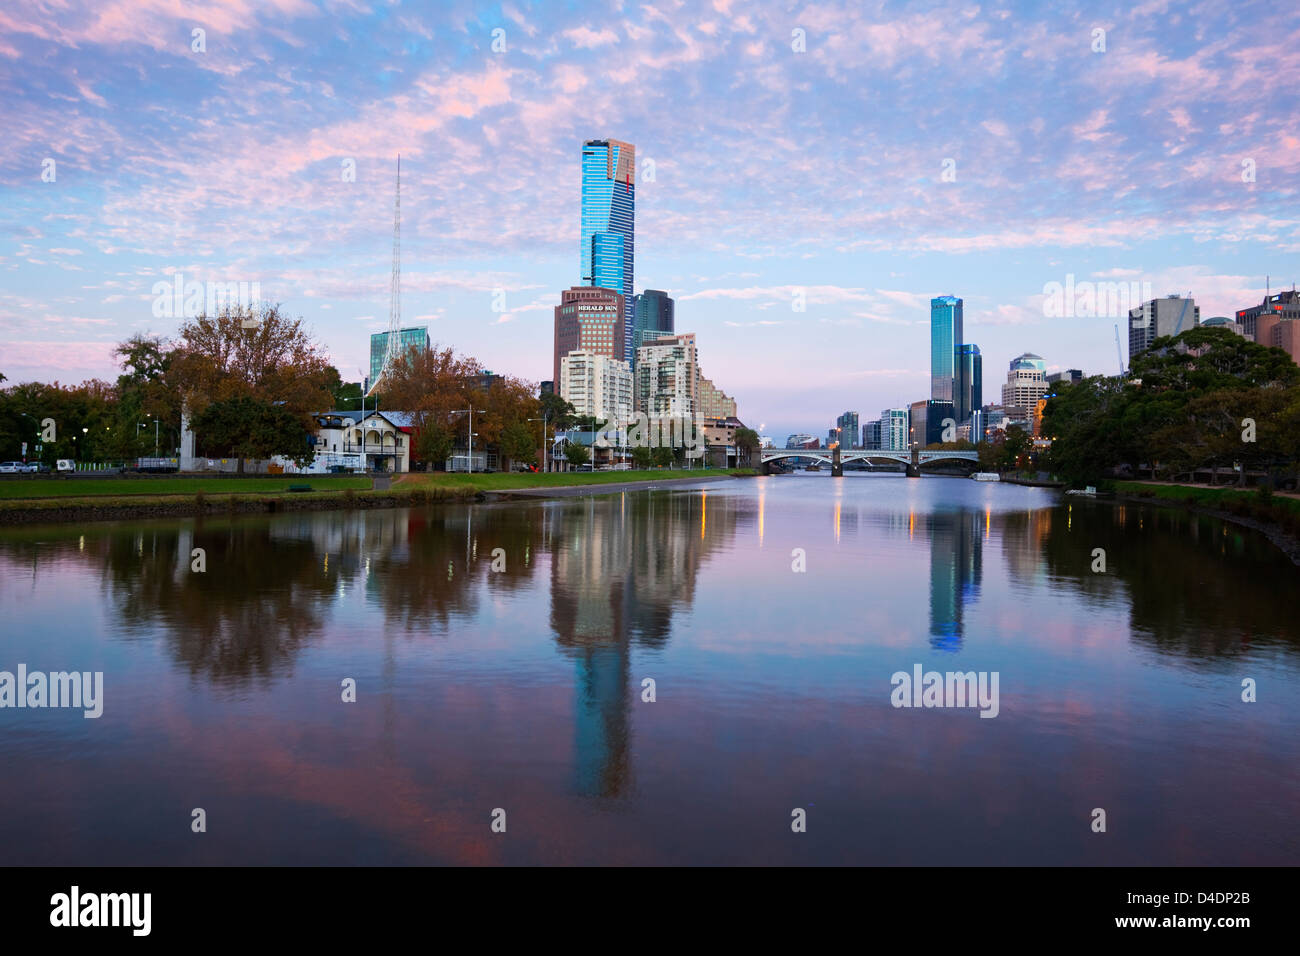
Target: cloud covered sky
[(776, 174)]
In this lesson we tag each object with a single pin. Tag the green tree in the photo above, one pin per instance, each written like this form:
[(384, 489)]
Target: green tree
[(246, 427), (747, 442), (642, 457), (517, 444), (663, 456), (576, 453)]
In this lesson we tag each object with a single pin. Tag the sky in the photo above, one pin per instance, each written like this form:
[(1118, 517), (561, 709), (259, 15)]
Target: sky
[(855, 158)]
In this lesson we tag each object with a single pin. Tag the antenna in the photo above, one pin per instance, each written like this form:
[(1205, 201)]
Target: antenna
[(393, 351)]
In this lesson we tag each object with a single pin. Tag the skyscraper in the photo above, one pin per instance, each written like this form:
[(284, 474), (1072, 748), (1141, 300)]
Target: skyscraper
[(969, 387), (652, 317), (608, 223), (945, 337)]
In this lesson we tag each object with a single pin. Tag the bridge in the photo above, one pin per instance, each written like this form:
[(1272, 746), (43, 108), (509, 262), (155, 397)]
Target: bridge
[(835, 457)]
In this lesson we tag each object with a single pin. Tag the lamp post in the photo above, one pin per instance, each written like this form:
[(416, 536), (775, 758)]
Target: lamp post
[(543, 420), (471, 433)]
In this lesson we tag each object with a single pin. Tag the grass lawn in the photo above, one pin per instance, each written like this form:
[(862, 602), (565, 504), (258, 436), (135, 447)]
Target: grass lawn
[(1204, 495), (26, 488), (551, 479)]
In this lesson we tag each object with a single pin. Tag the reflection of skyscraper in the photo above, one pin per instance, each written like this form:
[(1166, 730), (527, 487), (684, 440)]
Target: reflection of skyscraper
[(956, 570), (620, 567)]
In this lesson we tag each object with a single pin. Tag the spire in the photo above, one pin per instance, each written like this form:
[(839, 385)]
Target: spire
[(393, 350)]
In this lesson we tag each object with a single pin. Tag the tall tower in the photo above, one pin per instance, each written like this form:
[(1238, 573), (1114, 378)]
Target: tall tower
[(609, 223), (395, 293), (945, 339)]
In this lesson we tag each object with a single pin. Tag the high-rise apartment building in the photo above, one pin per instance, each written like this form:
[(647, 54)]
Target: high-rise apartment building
[(652, 317), (608, 223), (945, 338), (596, 385), (968, 387), (893, 429), (591, 320), (416, 337), (1159, 317), (667, 378), (871, 435)]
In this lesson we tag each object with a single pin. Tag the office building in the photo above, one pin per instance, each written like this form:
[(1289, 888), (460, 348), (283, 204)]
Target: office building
[(1070, 376), (801, 441), (596, 385), (848, 429), (1026, 383), (945, 338), (968, 387), (1160, 317), (588, 319), (1284, 305), (416, 337), (871, 435), (608, 224), (653, 317)]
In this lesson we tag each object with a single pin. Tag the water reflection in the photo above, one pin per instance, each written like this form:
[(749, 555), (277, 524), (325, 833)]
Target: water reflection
[(500, 648)]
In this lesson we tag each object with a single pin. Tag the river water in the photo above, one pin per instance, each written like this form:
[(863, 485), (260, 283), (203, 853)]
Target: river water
[(517, 693)]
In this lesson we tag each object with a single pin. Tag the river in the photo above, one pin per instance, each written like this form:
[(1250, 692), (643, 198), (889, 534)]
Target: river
[(501, 653)]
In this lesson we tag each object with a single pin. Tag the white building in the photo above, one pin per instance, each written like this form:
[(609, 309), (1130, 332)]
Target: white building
[(596, 385), (1026, 382), (893, 429), (668, 377)]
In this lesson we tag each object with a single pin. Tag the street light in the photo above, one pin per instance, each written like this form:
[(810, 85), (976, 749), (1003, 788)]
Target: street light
[(471, 432), (543, 420)]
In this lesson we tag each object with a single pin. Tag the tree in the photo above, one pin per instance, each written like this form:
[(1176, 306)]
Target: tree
[(747, 442), (576, 453), (516, 444), (663, 456), (558, 412), (642, 457), (245, 427), (346, 396), (253, 353)]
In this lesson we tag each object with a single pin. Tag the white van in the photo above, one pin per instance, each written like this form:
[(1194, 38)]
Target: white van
[(65, 464)]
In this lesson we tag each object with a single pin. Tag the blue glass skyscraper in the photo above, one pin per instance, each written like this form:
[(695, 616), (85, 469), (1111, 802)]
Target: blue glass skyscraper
[(609, 223), (945, 339), (969, 389)]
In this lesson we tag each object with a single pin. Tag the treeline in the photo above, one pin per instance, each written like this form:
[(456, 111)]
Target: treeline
[(250, 380), (1207, 398)]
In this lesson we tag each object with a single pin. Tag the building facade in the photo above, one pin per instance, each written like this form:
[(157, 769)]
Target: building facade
[(1283, 304), (653, 317), (893, 429), (1026, 382), (416, 337), (714, 402), (945, 337), (1159, 317), (667, 378), (589, 319), (596, 385), (871, 435), (968, 387), (850, 433), (608, 236)]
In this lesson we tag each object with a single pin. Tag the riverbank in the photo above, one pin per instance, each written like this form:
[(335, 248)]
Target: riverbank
[(41, 501), (1277, 516)]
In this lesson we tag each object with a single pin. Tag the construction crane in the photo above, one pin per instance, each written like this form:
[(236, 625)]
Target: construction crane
[(1119, 353)]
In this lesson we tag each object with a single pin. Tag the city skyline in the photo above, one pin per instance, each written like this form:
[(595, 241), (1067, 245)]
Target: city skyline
[(1046, 161)]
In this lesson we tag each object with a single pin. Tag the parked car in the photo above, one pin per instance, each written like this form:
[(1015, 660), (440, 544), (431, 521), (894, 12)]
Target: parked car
[(65, 464), (38, 468), (11, 467)]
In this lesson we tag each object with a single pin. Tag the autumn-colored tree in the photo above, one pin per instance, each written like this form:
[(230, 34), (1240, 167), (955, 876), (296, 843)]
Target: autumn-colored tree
[(250, 351)]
